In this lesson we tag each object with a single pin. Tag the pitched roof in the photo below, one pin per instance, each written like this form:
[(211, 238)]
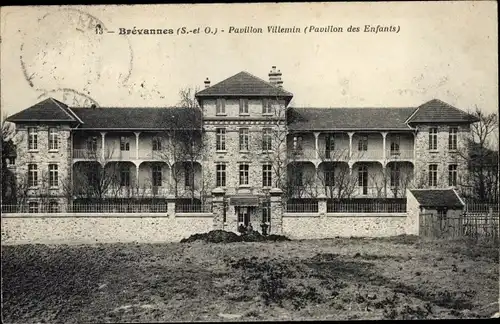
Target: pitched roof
[(139, 118), (348, 118), (49, 109), (437, 111), (437, 198), (243, 84)]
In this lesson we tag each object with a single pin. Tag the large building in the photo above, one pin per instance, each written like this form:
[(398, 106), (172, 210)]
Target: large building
[(241, 137)]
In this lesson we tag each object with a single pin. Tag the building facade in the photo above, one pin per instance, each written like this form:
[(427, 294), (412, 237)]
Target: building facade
[(242, 138)]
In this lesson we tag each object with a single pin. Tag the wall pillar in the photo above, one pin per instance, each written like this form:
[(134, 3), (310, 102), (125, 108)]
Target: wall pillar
[(218, 208), (322, 200), (103, 148), (316, 144), (276, 211), (171, 206)]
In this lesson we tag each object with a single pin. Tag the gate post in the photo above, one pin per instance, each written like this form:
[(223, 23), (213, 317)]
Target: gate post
[(218, 208), (276, 211), (171, 206)]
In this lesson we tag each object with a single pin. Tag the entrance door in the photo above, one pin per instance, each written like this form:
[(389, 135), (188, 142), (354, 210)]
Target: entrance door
[(243, 216)]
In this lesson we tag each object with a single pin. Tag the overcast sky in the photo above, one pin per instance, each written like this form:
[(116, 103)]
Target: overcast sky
[(445, 50)]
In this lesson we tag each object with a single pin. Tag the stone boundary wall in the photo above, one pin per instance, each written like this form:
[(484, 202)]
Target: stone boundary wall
[(101, 228), (314, 226)]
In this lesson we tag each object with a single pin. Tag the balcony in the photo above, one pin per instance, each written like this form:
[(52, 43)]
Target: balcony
[(400, 155), (85, 154), (152, 155), (305, 154), (337, 155), (368, 155)]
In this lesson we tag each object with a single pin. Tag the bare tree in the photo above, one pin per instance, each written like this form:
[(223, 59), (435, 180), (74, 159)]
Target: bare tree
[(480, 153)]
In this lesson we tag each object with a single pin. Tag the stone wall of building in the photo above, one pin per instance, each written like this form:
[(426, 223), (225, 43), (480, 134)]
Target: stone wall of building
[(443, 157), (42, 157)]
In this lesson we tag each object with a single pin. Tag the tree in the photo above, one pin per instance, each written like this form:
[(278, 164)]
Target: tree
[(481, 156), (182, 144), (7, 150)]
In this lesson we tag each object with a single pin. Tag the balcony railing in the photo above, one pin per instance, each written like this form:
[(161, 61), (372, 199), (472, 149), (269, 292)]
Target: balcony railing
[(368, 155), (400, 155), (337, 155), (302, 154), (152, 155), (87, 154)]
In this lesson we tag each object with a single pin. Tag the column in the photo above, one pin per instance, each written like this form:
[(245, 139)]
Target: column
[(103, 149), (276, 211), (384, 135), (137, 145), (350, 144), (384, 172), (316, 136), (137, 175), (170, 205), (218, 208)]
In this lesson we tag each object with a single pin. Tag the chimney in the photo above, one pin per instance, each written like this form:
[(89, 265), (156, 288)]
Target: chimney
[(275, 77), (207, 83), (93, 106)]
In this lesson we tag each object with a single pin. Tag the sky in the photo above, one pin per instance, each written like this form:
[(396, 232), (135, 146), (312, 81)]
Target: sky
[(444, 50)]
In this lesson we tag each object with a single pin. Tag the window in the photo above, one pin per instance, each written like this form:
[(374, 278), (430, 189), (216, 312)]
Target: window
[(297, 143), (298, 177), (244, 174), (125, 177), (267, 175), (243, 106), (433, 175), (53, 139), (10, 160), (220, 139), (157, 180), (220, 106), (329, 145), (452, 175), (452, 138), (53, 207), (220, 175), (32, 138), (156, 144), (433, 132), (53, 175), (395, 176), (93, 177), (362, 176), (124, 144), (32, 175), (363, 143), (92, 144), (188, 176), (266, 212), (395, 145), (329, 175), (243, 139), (266, 139), (442, 213), (267, 106), (33, 207)]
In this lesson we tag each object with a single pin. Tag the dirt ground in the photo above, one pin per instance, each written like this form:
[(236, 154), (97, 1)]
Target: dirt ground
[(333, 279)]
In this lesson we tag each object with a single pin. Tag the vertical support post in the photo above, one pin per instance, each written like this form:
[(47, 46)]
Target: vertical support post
[(103, 148), (137, 145), (384, 174), (276, 211), (137, 175), (350, 144), (171, 206), (316, 144), (384, 136), (218, 208)]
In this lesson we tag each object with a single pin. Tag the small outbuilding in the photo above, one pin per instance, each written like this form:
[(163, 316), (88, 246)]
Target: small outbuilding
[(443, 202)]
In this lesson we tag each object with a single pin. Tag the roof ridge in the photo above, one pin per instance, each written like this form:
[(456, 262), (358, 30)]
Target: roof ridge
[(72, 115)]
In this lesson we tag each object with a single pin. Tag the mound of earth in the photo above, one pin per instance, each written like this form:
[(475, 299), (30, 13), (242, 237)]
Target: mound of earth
[(220, 236)]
